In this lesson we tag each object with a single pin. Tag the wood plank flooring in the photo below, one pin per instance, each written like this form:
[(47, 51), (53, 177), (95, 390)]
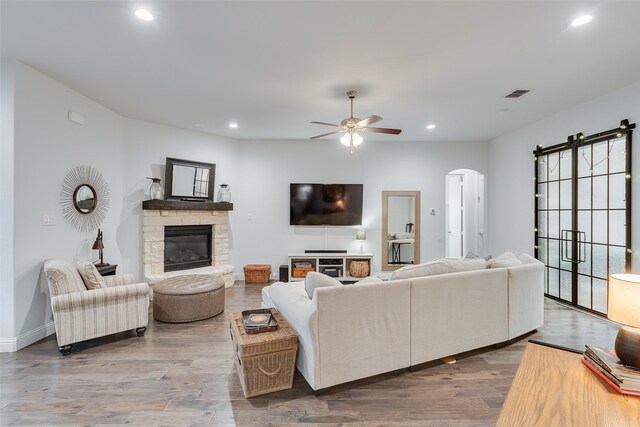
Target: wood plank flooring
[(183, 374)]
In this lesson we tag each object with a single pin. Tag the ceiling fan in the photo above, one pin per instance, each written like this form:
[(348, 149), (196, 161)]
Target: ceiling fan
[(352, 125)]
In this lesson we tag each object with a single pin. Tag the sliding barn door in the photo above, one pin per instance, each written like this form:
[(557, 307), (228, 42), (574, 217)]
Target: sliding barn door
[(583, 215)]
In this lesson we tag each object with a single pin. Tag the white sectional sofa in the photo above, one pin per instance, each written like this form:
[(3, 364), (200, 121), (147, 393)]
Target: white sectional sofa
[(356, 331)]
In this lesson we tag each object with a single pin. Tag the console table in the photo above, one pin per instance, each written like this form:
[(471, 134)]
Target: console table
[(553, 388), (323, 262)]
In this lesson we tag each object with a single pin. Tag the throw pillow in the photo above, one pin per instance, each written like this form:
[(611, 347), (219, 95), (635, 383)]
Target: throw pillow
[(90, 276), (369, 279), (318, 280), (471, 255), (430, 268), (505, 260), (468, 264)]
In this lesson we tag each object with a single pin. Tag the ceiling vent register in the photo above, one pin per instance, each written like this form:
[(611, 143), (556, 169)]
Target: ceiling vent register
[(517, 93)]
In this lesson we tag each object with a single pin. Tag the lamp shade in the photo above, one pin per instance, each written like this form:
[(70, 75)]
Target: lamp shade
[(361, 234), (624, 299), (97, 245)]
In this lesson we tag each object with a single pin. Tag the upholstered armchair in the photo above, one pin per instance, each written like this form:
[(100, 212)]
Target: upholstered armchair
[(115, 304)]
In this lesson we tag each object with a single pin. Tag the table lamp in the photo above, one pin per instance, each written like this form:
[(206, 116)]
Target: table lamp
[(99, 246), (624, 308), (361, 235)]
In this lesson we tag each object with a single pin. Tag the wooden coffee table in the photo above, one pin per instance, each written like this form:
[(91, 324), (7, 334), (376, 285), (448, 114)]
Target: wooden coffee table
[(553, 388)]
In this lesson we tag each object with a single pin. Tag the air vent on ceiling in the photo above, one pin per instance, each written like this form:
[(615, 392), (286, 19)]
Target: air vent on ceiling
[(518, 93)]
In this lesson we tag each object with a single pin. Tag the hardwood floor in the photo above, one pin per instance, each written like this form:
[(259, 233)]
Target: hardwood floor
[(182, 374)]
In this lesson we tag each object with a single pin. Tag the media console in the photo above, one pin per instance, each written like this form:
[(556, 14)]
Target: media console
[(334, 264)]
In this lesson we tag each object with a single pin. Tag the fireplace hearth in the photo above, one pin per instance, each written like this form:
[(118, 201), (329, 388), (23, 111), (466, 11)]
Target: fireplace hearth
[(186, 247)]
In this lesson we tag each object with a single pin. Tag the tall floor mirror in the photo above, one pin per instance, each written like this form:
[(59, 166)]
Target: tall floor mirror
[(400, 229)]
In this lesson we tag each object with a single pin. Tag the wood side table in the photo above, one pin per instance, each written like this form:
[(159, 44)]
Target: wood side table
[(107, 270), (553, 388)]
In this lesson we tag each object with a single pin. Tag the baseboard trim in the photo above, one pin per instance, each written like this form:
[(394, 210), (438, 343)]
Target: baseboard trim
[(11, 345)]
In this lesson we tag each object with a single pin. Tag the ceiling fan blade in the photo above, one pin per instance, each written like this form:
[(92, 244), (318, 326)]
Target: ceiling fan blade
[(369, 120), (324, 134), (384, 130), (324, 123)]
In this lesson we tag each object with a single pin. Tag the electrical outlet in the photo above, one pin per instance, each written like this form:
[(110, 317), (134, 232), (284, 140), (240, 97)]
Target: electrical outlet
[(48, 219), (250, 217)]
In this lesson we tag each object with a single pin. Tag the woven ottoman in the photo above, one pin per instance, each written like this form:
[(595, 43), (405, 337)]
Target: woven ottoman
[(188, 298)]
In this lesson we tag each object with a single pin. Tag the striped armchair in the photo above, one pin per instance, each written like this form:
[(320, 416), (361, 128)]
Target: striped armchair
[(80, 314)]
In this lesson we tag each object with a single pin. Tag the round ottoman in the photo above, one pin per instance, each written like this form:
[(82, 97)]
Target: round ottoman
[(188, 298)]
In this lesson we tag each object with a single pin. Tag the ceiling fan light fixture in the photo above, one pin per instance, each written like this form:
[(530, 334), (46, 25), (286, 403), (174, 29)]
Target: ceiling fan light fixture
[(346, 139)]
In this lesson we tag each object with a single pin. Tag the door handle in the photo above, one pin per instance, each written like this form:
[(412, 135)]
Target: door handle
[(567, 236)]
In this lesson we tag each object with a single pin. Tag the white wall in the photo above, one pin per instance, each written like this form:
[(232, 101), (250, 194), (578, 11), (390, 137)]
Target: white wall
[(7, 77), (47, 146), (126, 151), (512, 188), (262, 233), (146, 146)]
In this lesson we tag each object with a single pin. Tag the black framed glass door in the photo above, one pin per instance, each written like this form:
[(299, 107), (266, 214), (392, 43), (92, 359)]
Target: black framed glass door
[(583, 215)]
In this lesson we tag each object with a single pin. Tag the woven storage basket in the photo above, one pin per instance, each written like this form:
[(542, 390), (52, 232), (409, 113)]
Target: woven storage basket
[(359, 268), (265, 362), (257, 273)]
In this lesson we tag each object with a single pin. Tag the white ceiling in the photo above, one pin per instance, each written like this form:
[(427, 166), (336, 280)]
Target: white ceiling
[(275, 66)]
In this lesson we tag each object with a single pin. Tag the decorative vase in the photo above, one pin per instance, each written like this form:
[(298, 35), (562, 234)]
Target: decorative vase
[(224, 194), (155, 189)]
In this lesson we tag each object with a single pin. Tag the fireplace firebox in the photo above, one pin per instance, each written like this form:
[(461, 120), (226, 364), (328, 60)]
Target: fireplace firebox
[(187, 246)]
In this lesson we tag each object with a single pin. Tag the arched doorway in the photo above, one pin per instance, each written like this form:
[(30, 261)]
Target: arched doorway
[(464, 213)]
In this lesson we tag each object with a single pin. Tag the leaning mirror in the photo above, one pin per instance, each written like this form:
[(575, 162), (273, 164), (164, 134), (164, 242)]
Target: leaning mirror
[(188, 180), (400, 229)]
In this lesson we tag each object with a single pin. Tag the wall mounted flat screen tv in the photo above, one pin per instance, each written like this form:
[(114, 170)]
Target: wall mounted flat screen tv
[(325, 204)]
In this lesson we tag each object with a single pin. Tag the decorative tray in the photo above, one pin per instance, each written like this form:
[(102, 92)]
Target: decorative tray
[(272, 326)]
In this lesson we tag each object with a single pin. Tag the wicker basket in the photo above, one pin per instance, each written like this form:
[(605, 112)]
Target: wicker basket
[(359, 268), (265, 362), (257, 273), (299, 273)]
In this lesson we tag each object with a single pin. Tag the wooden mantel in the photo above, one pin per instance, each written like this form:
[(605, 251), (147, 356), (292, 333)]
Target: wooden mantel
[(182, 205)]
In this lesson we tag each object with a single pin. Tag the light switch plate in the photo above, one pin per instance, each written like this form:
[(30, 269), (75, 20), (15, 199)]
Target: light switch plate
[(48, 219)]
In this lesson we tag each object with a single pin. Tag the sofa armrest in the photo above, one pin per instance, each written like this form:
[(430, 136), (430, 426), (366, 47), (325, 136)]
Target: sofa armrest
[(118, 280), (526, 296), (96, 297)]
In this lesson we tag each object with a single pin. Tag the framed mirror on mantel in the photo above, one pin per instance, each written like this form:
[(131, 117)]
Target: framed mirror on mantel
[(189, 186), (188, 180), (400, 229)]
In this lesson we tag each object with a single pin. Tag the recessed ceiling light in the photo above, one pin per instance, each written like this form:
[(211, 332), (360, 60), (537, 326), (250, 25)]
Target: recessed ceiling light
[(431, 126), (233, 125), (143, 14), (581, 20), (197, 124)]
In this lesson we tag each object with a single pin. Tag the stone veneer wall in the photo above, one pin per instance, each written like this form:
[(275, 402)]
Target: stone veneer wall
[(153, 224)]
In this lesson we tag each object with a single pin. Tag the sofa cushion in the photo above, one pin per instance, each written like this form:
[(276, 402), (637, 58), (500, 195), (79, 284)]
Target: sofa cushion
[(369, 279), (318, 280), (505, 260), (425, 269), (63, 277), (90, 276)]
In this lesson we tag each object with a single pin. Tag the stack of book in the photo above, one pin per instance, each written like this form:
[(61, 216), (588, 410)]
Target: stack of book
[(604, 363), (257, 321)]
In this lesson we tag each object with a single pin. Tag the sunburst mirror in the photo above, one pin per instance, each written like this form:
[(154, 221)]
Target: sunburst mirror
[(85, 198)]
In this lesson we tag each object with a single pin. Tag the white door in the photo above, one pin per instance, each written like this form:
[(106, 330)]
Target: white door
[(455, 216)]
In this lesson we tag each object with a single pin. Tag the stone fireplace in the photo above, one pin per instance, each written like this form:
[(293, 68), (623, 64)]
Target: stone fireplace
[(153, 236)]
